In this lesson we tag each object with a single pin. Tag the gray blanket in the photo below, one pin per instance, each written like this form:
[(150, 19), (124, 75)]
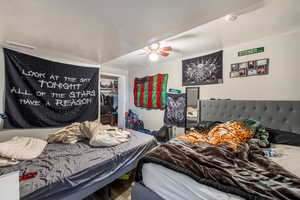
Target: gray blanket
[(65, 168)]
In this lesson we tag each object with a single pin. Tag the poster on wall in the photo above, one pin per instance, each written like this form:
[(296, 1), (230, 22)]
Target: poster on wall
[(151, 91), (42, 93), (203, 70), (175, 110)]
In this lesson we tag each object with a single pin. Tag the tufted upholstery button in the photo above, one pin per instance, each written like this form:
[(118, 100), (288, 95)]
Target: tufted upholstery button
[(259, 118), (271, 119)]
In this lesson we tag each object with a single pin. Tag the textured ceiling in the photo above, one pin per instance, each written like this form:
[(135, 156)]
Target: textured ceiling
[(270, 18), (101, 30)]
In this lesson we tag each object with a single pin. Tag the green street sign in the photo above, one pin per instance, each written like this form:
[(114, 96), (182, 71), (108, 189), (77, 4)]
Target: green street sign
[(251, 51), (174, 90)]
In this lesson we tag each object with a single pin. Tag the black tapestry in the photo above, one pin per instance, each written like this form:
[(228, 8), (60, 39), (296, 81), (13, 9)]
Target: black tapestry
[(42, 93), (175, 110), (203, 70)]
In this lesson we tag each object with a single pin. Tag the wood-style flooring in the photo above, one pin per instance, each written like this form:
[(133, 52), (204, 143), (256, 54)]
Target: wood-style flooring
[(118, 190)]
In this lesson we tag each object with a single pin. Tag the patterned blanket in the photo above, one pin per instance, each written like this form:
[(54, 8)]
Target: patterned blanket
[(228, 157), (232, 133), (246, 173)]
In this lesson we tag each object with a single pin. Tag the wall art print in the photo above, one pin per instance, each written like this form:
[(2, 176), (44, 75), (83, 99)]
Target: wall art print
[(151, 91), (175, 110), (42, 93), (203, 70)]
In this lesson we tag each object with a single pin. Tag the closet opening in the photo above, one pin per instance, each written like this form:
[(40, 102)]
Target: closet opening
[(109, 95)]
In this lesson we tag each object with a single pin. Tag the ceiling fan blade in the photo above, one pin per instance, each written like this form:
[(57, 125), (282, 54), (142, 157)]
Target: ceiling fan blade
[(162, 53), (141, 54), (183, 38), (169, 48)]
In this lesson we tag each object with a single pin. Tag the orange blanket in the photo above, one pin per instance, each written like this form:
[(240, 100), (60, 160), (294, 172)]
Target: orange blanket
[(231, 133)]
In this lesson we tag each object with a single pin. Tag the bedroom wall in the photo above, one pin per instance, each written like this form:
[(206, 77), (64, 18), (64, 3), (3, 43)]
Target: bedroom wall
[(282, 83)]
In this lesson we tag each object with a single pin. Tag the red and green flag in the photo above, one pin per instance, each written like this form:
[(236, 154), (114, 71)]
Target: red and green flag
[(151, 91)]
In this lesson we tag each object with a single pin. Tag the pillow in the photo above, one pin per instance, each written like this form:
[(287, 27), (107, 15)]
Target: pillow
[(283, 137), (22, 148)]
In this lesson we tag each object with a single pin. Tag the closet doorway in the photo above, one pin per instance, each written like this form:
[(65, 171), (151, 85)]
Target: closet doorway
[(109, 90)]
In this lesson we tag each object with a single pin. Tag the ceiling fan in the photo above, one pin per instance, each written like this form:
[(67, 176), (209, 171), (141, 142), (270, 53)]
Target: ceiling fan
[(155, 50)]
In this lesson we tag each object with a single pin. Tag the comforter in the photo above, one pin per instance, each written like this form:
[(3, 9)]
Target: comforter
[(246, 172)]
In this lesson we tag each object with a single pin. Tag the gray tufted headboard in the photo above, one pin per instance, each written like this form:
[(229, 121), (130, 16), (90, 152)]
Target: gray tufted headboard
[(280, 115)]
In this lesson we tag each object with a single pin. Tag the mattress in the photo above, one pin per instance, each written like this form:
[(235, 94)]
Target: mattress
[(171, 185), (64, 169)]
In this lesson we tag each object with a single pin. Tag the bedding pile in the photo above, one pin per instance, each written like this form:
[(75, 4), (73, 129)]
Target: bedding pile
[(20, 148), (233, 133), (227, 158), (99, 135)]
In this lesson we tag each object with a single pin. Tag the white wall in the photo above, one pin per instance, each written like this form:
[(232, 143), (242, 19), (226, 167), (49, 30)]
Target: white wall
[(282, 83)]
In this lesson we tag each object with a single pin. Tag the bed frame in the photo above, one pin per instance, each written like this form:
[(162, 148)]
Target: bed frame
[(280, 115)]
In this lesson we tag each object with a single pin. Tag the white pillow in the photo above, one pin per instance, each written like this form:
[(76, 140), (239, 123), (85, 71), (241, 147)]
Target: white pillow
[(22, 148)]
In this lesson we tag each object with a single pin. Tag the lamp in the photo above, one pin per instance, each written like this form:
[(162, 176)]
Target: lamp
[(153, 56)]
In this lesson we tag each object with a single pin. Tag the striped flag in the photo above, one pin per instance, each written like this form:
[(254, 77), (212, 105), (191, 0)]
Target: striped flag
[(151, 91)]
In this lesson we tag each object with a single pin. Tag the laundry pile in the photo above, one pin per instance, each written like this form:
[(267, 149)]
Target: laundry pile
[(99, 135)]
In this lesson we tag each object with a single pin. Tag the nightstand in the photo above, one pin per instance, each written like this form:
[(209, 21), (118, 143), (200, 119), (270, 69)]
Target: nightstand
[(9, 184)]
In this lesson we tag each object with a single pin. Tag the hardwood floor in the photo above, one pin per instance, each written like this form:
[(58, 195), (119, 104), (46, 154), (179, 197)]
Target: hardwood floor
[(118, 190)]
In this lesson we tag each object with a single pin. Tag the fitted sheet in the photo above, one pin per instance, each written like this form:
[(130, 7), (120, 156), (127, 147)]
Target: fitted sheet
[(68, 168), (171, 185)]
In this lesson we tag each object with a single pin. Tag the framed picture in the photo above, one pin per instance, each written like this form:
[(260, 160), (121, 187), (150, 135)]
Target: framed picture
[(235, 71), (243, 69), (262, 66), (203, 70), (252, 70)]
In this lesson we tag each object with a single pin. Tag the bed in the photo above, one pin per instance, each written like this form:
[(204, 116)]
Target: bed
[(158, 182), (74, 171)]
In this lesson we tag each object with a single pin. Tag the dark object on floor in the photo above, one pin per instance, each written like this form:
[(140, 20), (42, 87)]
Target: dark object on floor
[(140, 192), (133, 121), (164, 134), (3, 116)]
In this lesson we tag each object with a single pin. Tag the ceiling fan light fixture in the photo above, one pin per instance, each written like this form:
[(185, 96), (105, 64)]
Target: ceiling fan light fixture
[(231, 17), (155, 46), (153, 57)]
